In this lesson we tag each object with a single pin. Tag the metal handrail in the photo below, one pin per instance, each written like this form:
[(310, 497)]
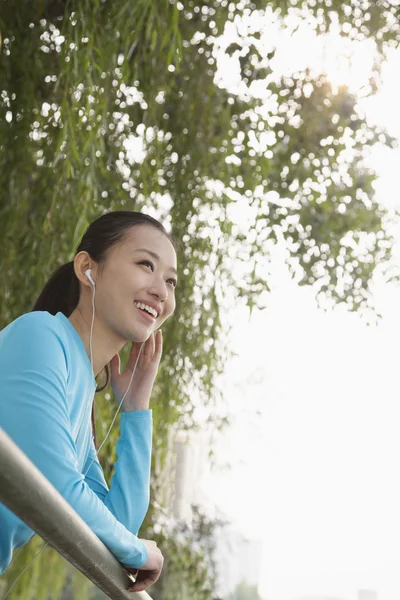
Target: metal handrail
[(31, 496)]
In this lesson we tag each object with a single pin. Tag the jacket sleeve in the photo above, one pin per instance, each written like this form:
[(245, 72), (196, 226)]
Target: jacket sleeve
[(34, 412), (129, 494)]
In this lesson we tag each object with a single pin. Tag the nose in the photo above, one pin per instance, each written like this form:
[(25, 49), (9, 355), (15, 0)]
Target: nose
[(159, 289)]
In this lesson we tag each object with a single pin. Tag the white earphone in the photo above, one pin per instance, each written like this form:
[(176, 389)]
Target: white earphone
[(88, 275)]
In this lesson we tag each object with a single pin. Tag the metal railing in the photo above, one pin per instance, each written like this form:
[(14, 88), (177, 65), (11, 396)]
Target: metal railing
[(28, 494)]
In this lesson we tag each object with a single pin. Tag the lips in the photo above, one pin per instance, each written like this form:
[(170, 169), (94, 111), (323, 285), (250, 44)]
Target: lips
[(145, 314), (156, 307)]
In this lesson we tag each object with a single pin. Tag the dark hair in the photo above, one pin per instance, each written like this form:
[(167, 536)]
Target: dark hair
[(61, 292)]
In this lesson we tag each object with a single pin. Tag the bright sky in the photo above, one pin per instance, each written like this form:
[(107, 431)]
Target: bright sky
[(315, 474)]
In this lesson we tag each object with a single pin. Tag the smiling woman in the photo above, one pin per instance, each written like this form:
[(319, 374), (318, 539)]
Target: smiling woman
[(122, 280), (48, 383)]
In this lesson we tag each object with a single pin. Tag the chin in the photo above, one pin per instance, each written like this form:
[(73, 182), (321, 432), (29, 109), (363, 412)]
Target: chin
[(138, 335)]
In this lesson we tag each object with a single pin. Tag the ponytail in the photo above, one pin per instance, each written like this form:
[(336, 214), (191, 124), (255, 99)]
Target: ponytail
[(61, 292)]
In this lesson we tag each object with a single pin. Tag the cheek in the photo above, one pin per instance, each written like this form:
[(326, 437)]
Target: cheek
[(171, 306)]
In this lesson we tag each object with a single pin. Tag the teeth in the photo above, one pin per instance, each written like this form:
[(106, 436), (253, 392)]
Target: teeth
[(148, 308)]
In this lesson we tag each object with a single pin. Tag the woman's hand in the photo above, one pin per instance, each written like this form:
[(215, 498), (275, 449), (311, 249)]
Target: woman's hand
[(138, 396), (150, 571)]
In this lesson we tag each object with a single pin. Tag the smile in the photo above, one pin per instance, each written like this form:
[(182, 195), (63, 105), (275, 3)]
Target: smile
[(145, 314), (148, 308)]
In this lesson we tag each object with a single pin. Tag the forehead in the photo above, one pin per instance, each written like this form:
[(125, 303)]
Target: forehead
[(145, 236)]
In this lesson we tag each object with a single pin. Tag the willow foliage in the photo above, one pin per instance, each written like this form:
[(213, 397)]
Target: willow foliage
[(84, 82)]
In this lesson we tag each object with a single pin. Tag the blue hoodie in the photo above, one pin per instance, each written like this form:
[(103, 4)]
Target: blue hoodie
[(46, 390)]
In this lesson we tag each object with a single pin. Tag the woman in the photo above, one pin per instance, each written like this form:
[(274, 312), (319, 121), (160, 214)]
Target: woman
[(120, 287)]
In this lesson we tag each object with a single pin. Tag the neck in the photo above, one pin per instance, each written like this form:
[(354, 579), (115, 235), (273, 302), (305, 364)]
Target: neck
[(103, 348)]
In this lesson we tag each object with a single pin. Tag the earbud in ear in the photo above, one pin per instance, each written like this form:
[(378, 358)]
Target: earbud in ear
[(88, 275)]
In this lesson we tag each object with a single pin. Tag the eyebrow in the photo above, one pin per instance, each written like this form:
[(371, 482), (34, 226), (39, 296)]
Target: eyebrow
[(154, 255)]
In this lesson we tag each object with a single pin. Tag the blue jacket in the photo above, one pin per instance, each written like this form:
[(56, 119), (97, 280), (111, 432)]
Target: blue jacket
[(46, 390)]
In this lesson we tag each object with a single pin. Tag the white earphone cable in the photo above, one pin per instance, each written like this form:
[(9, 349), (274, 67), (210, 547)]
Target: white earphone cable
[(101, 445), (123, 397)]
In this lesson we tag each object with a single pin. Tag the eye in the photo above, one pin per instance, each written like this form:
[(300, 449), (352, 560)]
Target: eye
[(147, 262), (174, 283)]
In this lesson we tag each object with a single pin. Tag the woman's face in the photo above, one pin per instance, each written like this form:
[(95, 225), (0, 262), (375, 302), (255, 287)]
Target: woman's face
[(139, 274)]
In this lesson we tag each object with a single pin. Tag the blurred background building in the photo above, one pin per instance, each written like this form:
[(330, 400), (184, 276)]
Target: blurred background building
[(237, 557)]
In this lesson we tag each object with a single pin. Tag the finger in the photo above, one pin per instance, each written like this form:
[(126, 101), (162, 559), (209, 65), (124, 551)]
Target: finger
[(148, 349), (140, 586), (143, 575), (133, 354), (158, 346)]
